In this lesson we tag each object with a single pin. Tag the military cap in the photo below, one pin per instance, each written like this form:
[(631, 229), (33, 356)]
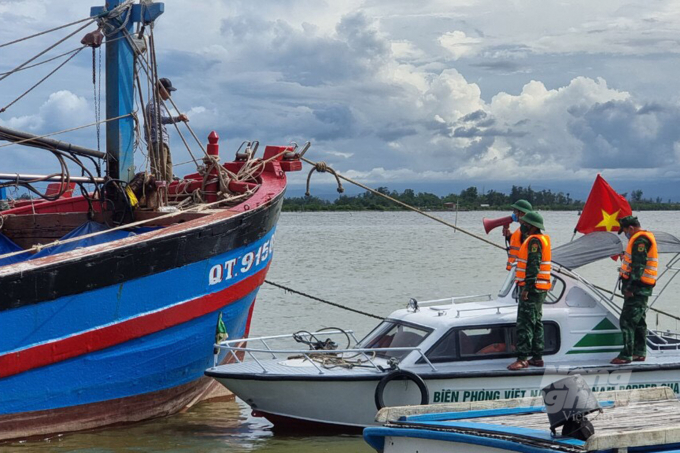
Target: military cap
[(533, 218), (627, 221), (522, 205)]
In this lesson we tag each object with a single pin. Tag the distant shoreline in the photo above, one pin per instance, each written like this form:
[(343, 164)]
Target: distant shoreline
[(468, 200), (396, 208)]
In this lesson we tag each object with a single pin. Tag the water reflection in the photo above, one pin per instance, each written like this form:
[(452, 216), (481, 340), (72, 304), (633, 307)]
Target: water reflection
[(208, 427)]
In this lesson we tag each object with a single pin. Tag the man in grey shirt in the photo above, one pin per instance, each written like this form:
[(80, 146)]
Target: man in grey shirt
[(161, 160)]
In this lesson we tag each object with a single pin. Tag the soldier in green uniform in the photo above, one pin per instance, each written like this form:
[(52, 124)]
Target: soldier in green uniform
[(533, 281), (638, 276)]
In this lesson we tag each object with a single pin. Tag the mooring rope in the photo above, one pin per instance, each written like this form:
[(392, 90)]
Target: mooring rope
[(326, 168), (323, 167), (291, 290)]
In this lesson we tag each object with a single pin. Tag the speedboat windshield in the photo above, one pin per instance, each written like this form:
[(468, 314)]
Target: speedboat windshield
[(395, 334), (508, 283)]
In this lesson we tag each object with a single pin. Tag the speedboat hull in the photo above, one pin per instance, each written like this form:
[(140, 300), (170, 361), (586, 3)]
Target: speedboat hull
[(349, 400)]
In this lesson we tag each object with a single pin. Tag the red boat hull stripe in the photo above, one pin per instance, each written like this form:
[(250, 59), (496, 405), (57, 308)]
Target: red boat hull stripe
[(98, 339)]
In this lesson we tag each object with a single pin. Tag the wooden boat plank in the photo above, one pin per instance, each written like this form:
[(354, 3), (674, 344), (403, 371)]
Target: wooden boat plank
[(620, 397)]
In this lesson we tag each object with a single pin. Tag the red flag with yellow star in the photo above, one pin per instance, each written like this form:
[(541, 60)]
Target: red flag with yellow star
[(603, 209)]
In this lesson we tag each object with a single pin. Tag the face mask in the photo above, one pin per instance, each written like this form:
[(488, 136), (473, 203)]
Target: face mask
[(524, 228), (628, 235), (514, 217)]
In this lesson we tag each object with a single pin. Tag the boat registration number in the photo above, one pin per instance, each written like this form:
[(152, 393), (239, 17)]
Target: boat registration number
[(242, 264)]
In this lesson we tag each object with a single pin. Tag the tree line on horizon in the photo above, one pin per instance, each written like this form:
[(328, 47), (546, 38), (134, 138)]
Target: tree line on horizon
[(469, 199)]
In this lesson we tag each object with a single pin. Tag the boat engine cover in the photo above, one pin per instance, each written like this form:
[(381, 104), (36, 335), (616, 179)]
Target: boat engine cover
[(569, 399)]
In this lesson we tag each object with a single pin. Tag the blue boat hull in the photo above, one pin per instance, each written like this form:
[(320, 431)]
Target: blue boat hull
[(133, 350)]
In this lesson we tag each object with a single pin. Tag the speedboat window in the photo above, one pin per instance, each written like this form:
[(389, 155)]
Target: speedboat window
[(392, 334), (489, 341), (553, 296), (508, 283), (476, 343), (556, 291)]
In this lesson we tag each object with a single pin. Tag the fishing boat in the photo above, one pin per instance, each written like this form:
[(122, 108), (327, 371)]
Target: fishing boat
[(451, 350), (111, 301), (624, 420)]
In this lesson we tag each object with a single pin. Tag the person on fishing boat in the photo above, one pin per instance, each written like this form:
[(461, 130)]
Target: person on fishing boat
[(514, 240), (638, 276), (161, 159), (533, 283)]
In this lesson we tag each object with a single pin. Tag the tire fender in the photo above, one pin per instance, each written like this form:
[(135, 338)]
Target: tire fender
[(401, 375)]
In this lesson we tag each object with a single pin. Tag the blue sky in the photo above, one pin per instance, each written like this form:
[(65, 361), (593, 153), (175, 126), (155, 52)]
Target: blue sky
[(396, 93)]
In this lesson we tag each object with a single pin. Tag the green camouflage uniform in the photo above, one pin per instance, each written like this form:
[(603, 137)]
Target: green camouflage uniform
[(530, 312), (632, 321)]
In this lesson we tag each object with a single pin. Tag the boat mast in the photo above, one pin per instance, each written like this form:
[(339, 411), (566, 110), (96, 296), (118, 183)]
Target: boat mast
[(120, 61)]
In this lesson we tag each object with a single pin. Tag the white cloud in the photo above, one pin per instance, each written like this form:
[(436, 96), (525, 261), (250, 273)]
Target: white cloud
[(474, 89), (459, 44), (62, 110)]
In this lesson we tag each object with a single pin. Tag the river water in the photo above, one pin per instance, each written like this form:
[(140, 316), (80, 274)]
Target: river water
[(371, 261)]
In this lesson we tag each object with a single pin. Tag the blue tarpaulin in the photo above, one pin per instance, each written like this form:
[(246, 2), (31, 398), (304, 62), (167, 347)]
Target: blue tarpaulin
[(7, 246)]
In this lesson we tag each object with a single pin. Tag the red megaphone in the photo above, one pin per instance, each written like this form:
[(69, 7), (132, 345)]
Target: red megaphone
[(490, 224)]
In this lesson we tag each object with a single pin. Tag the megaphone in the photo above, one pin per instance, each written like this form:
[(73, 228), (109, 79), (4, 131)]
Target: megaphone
[(490, 224)]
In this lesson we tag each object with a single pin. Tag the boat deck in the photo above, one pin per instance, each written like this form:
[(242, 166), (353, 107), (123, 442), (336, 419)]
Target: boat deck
[(629, 419), (285, 367), (617, 426), (289, 368)]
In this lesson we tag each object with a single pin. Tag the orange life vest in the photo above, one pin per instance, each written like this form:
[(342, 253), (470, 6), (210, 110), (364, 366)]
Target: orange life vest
[(650, 274), (513, 248), (543, 277)]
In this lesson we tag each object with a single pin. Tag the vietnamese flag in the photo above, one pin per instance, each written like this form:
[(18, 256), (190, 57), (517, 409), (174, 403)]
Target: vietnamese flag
[(602, 209)]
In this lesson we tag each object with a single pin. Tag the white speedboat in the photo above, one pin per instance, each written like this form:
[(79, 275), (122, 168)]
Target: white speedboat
[(451, 350)]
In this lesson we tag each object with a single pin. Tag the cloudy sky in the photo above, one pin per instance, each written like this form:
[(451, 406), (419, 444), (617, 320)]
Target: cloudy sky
[(435, 93)]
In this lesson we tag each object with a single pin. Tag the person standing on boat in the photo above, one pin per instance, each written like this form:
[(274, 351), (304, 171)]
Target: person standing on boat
[(161, 159), (638, 277), (515, 239), (533, 282)]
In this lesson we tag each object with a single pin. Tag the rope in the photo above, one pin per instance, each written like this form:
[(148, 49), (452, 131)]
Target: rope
[(45, 51), (663, 313), (41, 81), (322, 167), (122, 227), (401, 203), (151, 75), (45, 61), (648, 308), (64, 131), (44, 32), (291, 290)]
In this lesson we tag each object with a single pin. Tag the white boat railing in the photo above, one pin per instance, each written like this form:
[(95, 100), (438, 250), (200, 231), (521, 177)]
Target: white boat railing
[(662, 336), (312, 355), (455, 300), (436, 304)]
